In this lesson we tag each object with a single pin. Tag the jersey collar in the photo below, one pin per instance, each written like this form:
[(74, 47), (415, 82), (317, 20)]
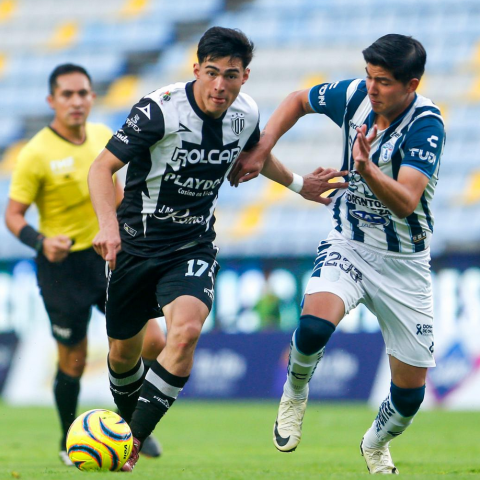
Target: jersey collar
[(197, 109)]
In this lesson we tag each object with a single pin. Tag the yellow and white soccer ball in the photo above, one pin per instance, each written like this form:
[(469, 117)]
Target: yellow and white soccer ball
[(99, 440)]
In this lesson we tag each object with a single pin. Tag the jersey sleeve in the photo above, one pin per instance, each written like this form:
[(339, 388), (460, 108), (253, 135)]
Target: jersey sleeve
[(254, 138), (27, 178), (424, 145), (144, 127), (330, 99)]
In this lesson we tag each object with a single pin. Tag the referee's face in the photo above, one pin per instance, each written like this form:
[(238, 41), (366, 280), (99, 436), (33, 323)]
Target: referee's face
[(218, 84), (72, 99)]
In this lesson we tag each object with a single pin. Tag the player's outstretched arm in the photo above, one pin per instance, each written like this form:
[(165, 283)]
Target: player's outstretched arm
[(103, 194), (248, 166), (311, 186)]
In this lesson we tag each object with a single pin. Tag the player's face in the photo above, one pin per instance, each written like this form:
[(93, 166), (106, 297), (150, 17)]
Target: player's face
[(389, 97), (72, 99), (218, 84)]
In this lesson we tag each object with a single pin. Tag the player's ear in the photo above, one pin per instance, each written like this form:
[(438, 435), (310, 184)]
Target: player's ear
[(413, 85), (50, 101), (246, 74), (196, 70)]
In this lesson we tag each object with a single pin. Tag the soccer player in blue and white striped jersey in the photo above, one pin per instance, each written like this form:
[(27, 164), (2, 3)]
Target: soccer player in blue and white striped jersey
[(378, 251)]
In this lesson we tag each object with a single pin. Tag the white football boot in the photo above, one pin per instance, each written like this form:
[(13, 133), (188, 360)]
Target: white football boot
[(287, 430), (379, 460)]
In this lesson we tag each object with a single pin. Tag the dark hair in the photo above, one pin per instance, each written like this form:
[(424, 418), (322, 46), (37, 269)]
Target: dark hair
[(403, 56), (220, 42), (65, 69)]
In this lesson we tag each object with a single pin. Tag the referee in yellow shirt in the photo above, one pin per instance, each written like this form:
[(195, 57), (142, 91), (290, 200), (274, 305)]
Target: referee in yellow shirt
[(51, 172)]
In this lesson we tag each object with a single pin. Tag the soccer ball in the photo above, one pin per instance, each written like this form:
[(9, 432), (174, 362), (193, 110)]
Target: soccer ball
[(99, 440)]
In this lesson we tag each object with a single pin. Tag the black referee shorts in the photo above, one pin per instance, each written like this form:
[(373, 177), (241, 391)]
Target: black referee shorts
[(139, 287), (69, 290)]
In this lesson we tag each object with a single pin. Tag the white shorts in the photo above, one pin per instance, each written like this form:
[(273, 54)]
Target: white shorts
[(395, 287)]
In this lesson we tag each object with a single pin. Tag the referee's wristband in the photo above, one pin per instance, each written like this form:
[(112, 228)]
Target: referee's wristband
[(30, 237), (297, 183)]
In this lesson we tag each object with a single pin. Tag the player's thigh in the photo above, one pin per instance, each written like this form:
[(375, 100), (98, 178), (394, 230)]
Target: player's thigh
[(68, 311), (337, 282), (185, 317), (404, 308), (190, 273), (131, 299)]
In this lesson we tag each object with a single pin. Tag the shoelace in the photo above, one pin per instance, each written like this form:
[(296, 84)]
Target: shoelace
[(290, 418)]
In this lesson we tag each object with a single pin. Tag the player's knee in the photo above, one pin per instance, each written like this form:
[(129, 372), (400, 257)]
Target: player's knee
[(407, 401), (122, 359), (188, 334), (313, 334)]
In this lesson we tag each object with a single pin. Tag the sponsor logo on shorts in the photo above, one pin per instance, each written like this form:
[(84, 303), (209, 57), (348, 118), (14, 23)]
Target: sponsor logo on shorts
[(131, 231), (209, 292), (62, 332), (424, 329)]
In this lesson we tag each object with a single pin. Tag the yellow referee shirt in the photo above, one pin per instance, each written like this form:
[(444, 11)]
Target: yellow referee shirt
[(52, 173)]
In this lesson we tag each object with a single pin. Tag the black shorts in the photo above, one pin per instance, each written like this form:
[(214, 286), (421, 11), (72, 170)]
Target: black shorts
[(139, 287), (69, 290)]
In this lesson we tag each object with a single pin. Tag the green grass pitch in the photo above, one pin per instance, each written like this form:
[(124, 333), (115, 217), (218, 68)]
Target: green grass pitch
[(232, 441)]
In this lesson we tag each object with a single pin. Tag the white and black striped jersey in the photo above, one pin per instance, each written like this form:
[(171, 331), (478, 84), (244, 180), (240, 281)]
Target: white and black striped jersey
[(415, 139), (178, 158)]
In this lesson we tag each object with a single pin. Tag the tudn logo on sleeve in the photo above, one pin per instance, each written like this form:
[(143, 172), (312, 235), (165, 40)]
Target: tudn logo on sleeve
[(238, 123)]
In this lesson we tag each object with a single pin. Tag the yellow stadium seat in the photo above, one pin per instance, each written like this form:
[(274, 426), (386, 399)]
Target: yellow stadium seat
[(122, 93), (64, 36), (3, 64), (249, 220), (10, 157), (313, 79), (133, 8), (472, 192), (7, 8), (474, 93)]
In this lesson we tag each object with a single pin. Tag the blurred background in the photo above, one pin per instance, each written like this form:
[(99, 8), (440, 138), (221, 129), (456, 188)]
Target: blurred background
[(267, 234)]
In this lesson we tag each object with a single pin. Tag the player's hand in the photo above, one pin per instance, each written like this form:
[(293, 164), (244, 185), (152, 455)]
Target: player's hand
[(361, 149), (56, 249), (318, 182), (107, 244), (247, 166)]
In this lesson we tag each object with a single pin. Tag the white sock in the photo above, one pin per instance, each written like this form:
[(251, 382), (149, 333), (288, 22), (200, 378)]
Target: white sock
[(388, 424), (300, 370)]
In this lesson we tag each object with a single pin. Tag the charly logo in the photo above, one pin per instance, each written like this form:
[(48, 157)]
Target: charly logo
[(238, 123), (386, 152)]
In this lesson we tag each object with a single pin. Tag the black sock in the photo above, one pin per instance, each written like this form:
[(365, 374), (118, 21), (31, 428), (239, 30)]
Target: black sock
[(66, 390), (157, 395), (125, 388)]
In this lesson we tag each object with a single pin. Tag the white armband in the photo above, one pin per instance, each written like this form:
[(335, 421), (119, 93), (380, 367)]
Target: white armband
[(297, 183)]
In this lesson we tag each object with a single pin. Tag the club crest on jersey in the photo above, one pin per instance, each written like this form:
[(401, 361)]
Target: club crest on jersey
[(386, 152), (238, 123)]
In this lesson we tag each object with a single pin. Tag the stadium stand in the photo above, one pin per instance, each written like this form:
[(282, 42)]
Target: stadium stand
[(135, 46)]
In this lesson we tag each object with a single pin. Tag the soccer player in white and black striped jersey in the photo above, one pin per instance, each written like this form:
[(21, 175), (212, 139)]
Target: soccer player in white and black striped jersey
[(180, 142), (378, 251)]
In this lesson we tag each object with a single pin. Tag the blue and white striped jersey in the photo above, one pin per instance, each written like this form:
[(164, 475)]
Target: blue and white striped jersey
[(415, 139)]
